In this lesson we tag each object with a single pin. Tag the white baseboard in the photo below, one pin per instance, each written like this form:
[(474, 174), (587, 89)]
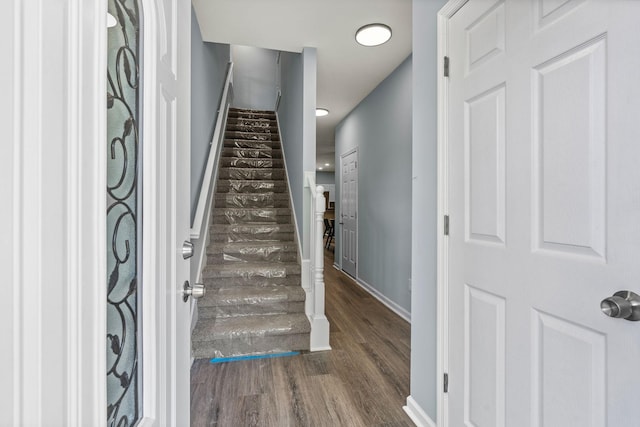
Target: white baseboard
[(417, 415), (391, 305)]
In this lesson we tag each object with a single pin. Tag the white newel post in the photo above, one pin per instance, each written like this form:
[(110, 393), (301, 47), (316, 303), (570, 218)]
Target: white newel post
[(318, 262), (319, 322)]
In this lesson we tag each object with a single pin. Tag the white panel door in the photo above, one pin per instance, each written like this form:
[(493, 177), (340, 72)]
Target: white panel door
[(166, 197), (543, 197), (349, 211)]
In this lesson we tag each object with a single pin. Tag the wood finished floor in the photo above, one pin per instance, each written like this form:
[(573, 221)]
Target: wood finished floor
[(362, 381)]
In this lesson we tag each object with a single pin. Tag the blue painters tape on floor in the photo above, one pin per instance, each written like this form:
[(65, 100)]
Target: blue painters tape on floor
[(253, 357)]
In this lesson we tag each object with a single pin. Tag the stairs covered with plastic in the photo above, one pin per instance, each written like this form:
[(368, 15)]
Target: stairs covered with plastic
[(254, 303)]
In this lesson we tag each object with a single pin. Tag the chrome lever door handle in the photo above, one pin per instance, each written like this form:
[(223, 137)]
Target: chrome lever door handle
[(196, 291), (622, 305)]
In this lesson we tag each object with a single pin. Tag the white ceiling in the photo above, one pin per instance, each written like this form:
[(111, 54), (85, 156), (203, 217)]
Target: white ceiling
[(347, 72)]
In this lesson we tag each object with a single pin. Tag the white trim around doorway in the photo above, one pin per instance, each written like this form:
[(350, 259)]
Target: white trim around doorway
[(444, 15)]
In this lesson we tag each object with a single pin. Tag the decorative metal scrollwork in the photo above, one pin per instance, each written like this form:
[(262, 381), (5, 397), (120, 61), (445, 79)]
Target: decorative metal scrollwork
[(123, 95)]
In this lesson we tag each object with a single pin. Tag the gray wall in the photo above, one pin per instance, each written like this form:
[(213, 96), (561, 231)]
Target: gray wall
[(290, 119), (296, 116), (424, 196), (208, 67), (325, 178), (254, 77), (380, 126)]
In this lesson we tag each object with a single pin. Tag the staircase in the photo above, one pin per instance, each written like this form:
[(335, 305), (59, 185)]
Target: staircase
[(254, 303)]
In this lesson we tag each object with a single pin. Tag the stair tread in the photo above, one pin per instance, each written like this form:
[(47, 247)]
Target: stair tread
[(244, 169), (223, 195), (246, 326), (238, 246), (250, 110), (225, 282), (253, 265), (251, 294), (238, 228), (234, 160), (251, 269), (222, 210)]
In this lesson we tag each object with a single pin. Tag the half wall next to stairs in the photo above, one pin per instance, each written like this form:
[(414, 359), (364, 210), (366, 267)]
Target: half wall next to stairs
[(254, 301)]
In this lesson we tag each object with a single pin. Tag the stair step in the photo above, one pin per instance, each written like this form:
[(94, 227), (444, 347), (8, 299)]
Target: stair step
[(251, 114), (250, 301), (251, 215), (251, 269), (255, 136), (250, 346), (248, 248), (251, 153), (252, 252), (251, 200), (230, 336), (246, 326), (251, 173), (241, 162), (252, 126), (225, 282), (250, 186), (251, 232), (248, 143)]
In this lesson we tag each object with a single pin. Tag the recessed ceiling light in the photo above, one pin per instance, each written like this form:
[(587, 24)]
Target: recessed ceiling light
[(321, 112), (327, 164), (111, 20), (320, 168), (373, 34)]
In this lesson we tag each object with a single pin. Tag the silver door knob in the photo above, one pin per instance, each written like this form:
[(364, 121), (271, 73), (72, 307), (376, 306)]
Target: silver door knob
[(196, 291), (622, 305)]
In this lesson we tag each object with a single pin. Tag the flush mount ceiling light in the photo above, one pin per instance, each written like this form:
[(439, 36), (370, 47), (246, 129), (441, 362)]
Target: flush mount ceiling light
[(321, 112), (327, 164), (111, 21), (373, 34)]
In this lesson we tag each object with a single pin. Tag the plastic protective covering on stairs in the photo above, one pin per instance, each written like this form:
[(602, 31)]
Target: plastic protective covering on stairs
[(254, 302)]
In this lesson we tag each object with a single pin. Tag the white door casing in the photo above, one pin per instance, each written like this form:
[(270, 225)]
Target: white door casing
[(54, 185), (539, 157), (53, 219), (166, 353), (349, 211)]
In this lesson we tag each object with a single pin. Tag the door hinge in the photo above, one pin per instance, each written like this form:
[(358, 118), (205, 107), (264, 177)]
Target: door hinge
[(446, 225), (446, 66), (446, 383)]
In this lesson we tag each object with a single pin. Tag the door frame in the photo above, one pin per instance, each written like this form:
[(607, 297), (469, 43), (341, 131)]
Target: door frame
[(345, 154), (76, 198), (442, 362)]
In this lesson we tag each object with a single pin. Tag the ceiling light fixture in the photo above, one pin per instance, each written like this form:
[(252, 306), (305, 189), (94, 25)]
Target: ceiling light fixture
[(327, 164), (373, 34), (320, 168), (321, 112), (111, 21)]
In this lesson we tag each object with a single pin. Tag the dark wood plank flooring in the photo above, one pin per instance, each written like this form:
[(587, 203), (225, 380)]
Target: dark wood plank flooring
[(362, 381)]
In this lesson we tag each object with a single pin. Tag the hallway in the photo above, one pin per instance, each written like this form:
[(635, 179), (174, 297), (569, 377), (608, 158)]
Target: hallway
[(362, 381)]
